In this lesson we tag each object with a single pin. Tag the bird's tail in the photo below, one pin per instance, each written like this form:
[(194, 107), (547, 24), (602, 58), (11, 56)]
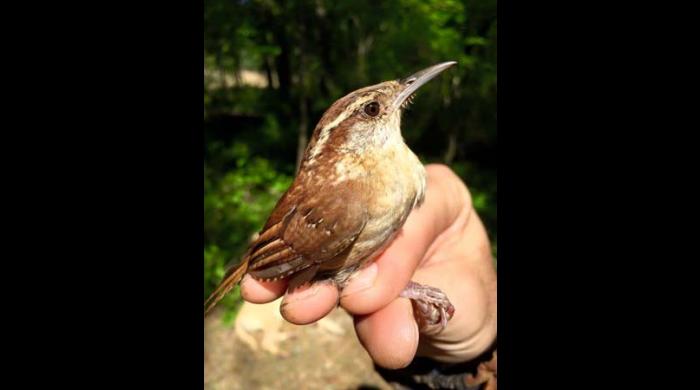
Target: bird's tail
[(232, 277)]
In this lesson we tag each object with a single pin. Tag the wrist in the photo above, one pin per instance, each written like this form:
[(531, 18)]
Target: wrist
[(451, 352), (482, 372), (479, 373)]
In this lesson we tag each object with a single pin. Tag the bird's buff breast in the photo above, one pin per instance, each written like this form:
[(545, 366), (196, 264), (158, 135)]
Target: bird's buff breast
[(396, 187)]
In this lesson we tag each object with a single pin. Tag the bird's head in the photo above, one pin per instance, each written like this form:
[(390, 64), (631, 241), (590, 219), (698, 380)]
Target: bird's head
[(368, 117)]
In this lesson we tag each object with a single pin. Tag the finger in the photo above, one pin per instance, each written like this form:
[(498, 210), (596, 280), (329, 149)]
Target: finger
[(389, 335), (380, 283), (309, 303), (255, 291)]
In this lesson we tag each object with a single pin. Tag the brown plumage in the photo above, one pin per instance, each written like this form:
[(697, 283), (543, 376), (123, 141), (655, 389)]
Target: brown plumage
[(357, 184)]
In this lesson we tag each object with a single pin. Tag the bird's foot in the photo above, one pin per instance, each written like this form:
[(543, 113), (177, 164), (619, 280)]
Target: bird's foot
[(430, 305)]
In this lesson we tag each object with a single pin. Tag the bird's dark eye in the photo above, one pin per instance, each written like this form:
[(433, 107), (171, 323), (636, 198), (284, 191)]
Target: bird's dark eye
[(372, 109)]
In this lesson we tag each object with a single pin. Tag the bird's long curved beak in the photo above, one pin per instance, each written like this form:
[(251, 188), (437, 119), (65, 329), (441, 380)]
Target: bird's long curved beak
[(411, 83)]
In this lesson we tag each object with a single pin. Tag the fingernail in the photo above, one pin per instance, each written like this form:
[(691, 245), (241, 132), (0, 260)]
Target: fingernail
[(361, 281), (301, 293)]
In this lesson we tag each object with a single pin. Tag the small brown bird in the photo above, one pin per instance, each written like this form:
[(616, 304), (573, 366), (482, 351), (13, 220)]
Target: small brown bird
[(357, 183)]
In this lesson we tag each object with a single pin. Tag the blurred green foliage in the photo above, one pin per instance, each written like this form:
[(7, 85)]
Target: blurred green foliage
[(273, 67)]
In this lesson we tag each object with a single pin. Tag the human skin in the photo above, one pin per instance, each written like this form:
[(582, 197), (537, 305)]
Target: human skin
[(442, 244)]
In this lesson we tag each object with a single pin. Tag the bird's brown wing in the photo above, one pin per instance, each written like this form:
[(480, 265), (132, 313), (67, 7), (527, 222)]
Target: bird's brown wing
[(307, 228)]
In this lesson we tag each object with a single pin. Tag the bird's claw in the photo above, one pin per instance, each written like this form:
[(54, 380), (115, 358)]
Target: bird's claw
[(431, 305)]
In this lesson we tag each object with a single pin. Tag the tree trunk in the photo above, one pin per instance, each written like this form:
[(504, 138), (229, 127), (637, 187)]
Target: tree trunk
[(268, 72), (302, 137), (304, 79), (451, 151)]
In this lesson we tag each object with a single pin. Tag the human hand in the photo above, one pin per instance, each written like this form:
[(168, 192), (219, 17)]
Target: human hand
[(443, 244)]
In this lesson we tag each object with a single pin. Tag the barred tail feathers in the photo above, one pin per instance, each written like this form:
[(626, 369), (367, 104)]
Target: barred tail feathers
[(232, 277)]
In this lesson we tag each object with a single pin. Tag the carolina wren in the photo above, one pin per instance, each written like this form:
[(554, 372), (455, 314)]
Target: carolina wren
[(356, 185)]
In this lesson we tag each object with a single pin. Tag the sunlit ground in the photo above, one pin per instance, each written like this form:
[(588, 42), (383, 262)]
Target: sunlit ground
[(262, 351)]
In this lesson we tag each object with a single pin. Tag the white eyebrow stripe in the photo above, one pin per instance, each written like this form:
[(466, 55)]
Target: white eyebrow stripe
[(326, 130), (346, 113)]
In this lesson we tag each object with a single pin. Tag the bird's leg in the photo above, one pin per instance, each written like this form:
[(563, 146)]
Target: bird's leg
[(430, 305)]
